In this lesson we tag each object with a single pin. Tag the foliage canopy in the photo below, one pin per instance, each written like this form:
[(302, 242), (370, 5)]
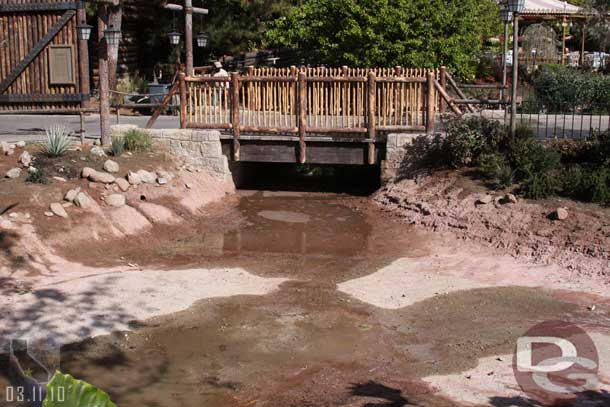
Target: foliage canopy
[(422, 33)]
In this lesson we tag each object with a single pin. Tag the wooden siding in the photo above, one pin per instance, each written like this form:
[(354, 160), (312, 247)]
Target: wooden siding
[(20, 31)]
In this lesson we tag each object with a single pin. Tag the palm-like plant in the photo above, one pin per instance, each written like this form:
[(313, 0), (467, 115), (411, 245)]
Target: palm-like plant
[(58, 141)]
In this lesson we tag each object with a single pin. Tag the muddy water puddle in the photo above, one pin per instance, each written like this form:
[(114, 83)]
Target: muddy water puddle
[(305, 344)]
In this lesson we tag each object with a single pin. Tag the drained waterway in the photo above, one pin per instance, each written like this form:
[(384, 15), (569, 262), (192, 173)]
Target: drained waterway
[(309, 342)]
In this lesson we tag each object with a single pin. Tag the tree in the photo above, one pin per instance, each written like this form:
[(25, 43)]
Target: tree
[(364, 33)]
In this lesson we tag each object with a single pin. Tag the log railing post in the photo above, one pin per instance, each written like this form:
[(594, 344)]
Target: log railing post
[(371, 113), (430, 104), (235, 115), (183, 107), (443, 83), (302, 116), (83, 59)]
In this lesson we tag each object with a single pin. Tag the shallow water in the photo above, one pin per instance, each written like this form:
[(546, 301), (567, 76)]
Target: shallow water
[(306, 344)]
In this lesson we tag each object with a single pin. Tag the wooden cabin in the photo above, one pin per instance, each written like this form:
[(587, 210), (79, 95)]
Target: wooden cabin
[(43, 64)]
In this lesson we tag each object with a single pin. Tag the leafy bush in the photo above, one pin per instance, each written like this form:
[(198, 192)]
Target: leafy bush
[(137, 141), (38, 176), (467, 139), (586, 184), (495, 167), (118, 146), (564, 89), (531, 159), (58, 141), (541, 185)]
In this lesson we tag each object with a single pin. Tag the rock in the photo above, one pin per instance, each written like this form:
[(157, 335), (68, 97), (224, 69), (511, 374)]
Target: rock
[(60, 179), (484, 199), (161, 181), (147, 177), (122, 183), (71, 195), (133, 178), (510, 199), (59, 210), (4, 147), (25, 159), (20, 144), (102, 177), (14, 173), (97, 152), (111, 166), (32, 169), (84, 201), (188, 186), (49, 214), (592, 308), (116, 200), (13, 216), (86, 172), (9, 152), (561, 214)]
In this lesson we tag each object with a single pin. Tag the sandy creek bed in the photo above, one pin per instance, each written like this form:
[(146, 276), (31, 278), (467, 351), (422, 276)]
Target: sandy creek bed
[(297, 300)]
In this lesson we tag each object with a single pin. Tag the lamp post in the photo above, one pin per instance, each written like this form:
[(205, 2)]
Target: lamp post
[(202, 40), (84, 35), (516, 7), (174, 37), (112, 36), (507, 17)]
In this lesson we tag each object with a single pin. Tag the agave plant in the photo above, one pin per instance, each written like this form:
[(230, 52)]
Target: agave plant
[(58, 141)]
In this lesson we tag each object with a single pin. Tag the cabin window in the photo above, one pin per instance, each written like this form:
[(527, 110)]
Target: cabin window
[(61, 65)]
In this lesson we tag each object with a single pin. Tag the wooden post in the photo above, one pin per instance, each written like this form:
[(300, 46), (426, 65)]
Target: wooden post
[(102, 23), (430, 113), (235, 115), (302, 117), (443, 83), (188, 36), (82, 128), (584, 39), (182, 78), (83, 59), (564, 26), (371, 113)]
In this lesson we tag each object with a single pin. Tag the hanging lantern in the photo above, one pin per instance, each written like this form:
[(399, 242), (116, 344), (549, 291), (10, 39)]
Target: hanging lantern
[(84, 31), (516, 6), (112, 36), (174, 37), (202, 40)]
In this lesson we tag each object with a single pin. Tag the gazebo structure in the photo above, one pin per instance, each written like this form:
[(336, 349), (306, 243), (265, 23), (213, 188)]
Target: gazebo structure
[(556, 10)]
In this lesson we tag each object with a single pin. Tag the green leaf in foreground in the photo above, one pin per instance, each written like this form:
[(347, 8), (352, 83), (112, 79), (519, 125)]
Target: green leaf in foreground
[(66, 391)]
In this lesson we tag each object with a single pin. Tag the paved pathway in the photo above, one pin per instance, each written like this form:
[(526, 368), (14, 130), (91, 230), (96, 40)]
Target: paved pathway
[(32, 127)]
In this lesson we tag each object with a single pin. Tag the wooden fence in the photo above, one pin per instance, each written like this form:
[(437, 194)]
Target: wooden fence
[(309, 102)]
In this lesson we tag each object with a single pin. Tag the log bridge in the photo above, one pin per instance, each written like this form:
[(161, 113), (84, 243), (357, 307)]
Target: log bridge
[(313, 115)]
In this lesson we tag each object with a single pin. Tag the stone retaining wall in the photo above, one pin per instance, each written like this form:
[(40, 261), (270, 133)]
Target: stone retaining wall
[(197, 148), (404, 155)]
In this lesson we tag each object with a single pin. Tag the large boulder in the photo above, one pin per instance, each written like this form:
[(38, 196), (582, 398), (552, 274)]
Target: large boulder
[(71, 194), (111, 166), (86, 172), (134, 178)]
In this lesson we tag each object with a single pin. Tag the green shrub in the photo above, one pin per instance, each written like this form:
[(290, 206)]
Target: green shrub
[(531, 159), (541, 185), (58, 141), (496, 168), (118, 146), (137, 141), (469, 138), (38, 176)]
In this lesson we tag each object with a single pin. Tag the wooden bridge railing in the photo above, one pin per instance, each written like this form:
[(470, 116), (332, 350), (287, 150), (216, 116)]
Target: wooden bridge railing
[(299, 104)]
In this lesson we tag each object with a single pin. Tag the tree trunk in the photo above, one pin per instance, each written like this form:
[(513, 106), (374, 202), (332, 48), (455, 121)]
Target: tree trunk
[(102, 21), (115, 19)]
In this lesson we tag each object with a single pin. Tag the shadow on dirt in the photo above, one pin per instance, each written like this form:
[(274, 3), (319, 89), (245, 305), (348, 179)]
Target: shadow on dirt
[(588, 398), (376, 390)]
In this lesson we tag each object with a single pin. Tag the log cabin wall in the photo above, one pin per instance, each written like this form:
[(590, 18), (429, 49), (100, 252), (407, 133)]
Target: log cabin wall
[(38, 42)]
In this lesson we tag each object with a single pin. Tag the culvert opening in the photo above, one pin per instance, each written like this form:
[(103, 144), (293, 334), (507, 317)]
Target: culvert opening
[(352, 179)]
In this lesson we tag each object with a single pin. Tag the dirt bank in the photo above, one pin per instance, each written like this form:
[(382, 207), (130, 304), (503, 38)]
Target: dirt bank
[(453, 202)]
